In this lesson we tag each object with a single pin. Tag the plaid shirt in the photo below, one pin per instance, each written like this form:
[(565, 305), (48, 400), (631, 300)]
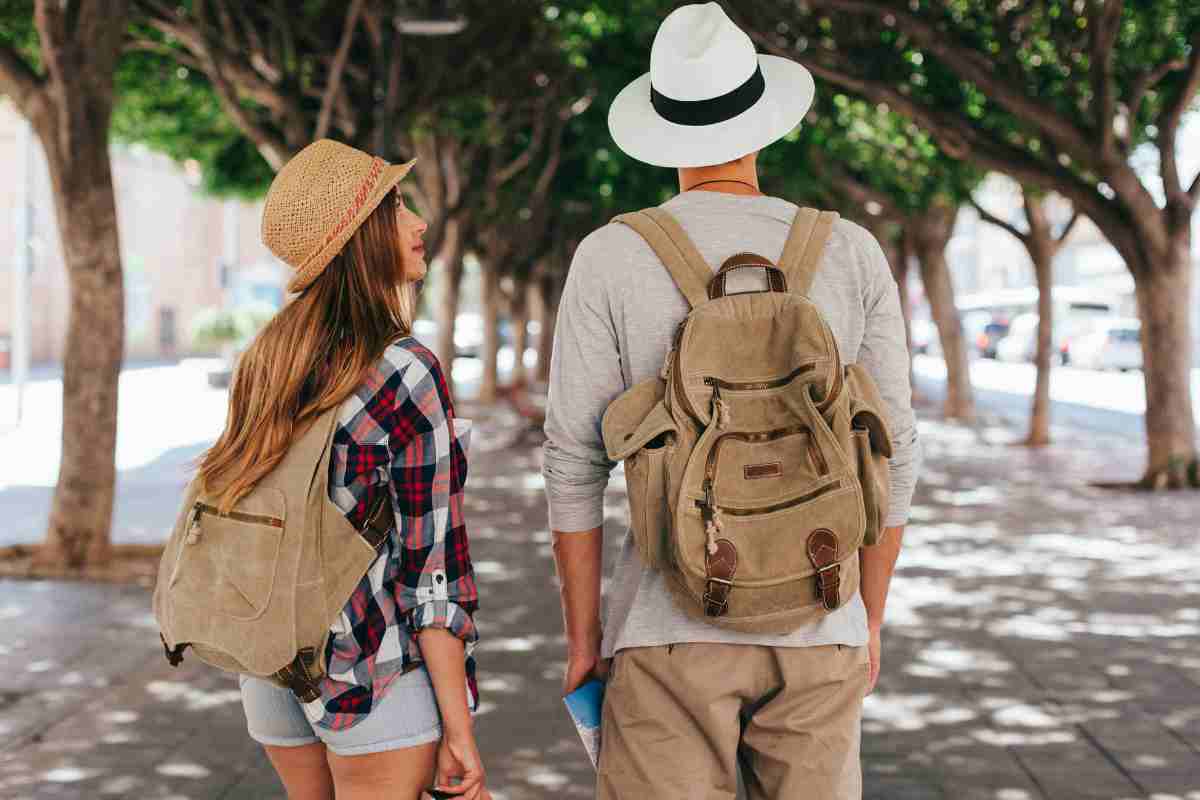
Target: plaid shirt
[(395, 434)]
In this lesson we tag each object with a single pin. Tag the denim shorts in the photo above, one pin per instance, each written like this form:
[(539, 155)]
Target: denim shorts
[(407, 716)]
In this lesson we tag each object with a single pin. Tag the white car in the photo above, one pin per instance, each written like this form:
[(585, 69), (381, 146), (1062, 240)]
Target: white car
[(1113, 343), (1021, 342)]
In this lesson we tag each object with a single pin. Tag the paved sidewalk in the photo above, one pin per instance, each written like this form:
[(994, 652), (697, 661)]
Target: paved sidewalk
[(1043, 642)]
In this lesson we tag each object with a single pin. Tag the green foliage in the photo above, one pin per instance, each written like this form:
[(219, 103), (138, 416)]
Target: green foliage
[(214, 328), (1041, 50), (18, 32), (848, 138), (173, 109)]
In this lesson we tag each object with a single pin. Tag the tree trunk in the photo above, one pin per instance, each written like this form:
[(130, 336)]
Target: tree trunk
[(933, 231), (489, 298), (548, 299), (903, 247), (81, 510), (449, 258), (1163, 294), (520, 323), (71, 113), (1042, 248)]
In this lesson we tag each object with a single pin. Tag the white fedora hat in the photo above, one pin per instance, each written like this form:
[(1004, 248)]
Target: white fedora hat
[(708, 97)]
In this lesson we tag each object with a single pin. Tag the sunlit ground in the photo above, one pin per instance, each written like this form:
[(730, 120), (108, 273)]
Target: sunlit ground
[(1043, 641)]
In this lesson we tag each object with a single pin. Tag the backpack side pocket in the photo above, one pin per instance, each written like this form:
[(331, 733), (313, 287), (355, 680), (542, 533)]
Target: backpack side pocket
[(872, 448), (875, 481), (649, 515), (638, 429)]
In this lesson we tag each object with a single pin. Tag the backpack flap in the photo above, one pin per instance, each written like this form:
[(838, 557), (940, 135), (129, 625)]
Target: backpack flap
[(635, 417)]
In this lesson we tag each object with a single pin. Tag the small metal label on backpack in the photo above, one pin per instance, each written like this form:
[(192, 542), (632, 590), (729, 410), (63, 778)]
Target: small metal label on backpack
[(773, 469)]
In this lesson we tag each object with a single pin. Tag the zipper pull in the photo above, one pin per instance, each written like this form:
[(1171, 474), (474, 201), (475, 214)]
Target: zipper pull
[(664, 371), (720, 407), (712, 522)]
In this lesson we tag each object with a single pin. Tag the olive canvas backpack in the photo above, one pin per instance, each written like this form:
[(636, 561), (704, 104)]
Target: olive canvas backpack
[(755, 461), (256, 589)]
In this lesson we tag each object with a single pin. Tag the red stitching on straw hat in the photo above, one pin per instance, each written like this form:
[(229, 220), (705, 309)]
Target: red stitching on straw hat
[(360, 197)]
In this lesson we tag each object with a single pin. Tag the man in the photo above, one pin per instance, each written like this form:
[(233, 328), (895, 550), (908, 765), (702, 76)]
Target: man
[(687, 702)]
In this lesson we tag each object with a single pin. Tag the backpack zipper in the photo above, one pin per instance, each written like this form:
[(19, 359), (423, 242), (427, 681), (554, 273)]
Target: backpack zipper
[(240, 516), (795, 501), (815, 455), (773, 383)]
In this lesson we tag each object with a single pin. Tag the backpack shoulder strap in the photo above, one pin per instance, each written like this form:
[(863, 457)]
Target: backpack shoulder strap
[(683, 261), (805, 242)]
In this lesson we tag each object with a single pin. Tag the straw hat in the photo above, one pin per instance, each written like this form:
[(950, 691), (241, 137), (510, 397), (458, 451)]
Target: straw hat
[(317, 201)]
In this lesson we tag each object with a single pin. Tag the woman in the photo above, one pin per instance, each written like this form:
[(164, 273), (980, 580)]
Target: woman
[(399, 674)]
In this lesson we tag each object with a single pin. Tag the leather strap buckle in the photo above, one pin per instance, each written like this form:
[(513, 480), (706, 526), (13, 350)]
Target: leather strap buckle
[(822, 552), (299, 678), (720, 567), (379, 522)]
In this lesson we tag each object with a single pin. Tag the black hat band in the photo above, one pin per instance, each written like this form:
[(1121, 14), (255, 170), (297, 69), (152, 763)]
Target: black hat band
[(714, 109)]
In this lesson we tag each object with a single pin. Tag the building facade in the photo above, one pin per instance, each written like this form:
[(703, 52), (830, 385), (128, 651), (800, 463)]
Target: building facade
[(182, 251)]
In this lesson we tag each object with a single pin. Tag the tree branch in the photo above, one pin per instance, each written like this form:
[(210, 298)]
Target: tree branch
[(988, 216), (333, 84), (1148, 80), (1070, 226), (960, 139), (270, 145), (18, 80), (973, 66), (1172, 115), (505, 173), (1106, 23), (166, 51)]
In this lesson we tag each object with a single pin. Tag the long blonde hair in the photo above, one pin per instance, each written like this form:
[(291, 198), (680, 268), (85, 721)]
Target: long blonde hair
[(312, 354)]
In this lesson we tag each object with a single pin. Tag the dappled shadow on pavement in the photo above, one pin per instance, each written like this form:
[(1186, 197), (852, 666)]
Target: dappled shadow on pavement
[(1042, 635), (1041, 643)]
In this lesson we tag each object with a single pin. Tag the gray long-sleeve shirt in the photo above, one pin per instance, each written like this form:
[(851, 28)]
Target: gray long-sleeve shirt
[(618, 311)]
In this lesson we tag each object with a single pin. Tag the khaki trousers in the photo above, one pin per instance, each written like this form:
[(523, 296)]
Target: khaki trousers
[(679, 721)]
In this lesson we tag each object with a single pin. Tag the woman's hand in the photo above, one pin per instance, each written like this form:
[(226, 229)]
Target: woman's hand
[(458, 758)]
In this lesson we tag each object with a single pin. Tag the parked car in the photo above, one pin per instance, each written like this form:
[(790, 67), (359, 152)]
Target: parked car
[(1113, 343), (1021, 342), (983, 330)]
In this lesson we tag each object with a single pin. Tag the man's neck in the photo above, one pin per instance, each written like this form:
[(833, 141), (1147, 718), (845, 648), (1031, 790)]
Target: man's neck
[(735, 178)]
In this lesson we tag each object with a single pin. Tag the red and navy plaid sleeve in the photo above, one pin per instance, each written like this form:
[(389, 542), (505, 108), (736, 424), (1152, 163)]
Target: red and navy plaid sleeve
[(436, 585), (395, 434)]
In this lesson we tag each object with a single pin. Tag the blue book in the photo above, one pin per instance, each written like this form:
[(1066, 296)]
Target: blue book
[(584, 705)]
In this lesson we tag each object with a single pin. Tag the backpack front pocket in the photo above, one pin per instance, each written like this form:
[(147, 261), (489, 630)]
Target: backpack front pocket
[(227, 562)]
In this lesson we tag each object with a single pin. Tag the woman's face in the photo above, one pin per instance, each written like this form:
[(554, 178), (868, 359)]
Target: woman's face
[(412, 249)]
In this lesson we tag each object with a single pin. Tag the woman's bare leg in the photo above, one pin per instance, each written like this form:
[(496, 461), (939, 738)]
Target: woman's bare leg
[(303, 770), (399, 774)]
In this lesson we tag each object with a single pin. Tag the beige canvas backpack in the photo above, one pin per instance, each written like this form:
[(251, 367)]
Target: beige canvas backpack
[(255, 590), (756, 462)]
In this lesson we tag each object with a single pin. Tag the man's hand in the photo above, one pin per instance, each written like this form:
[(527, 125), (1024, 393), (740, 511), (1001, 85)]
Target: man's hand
[(878, 562), (585, 663), (873, 648), (578, 561)]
